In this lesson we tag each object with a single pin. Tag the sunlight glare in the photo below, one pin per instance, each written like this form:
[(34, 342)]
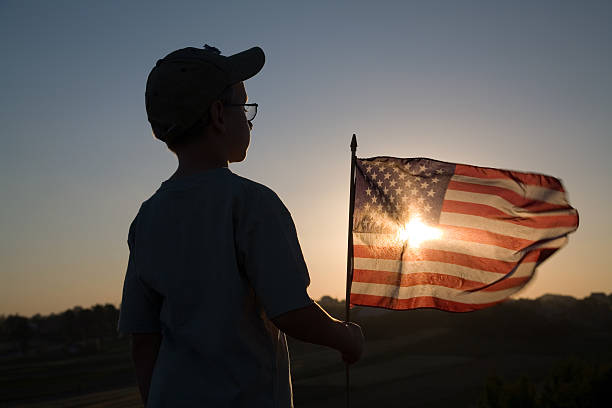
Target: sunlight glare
[(415, 232)]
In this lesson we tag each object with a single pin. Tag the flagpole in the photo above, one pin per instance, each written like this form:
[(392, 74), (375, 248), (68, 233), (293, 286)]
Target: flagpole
[(349, 256)]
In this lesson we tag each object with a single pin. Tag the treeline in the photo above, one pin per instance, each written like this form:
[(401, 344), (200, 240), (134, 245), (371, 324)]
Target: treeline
[(550, 324), (70, 328), (523, 320), (544, 315)]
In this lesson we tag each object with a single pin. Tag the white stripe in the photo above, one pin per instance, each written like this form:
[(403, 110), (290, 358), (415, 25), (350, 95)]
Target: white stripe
[(442, 244), (524, 190), (407, 267), (501, 204), (473, 249), (502, 227), (555, 243), (440, 292)]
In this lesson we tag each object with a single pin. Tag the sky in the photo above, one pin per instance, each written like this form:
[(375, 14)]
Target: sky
[(517, 85)]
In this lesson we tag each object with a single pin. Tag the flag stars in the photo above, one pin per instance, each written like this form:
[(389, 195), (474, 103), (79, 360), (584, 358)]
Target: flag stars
[(394, 188)]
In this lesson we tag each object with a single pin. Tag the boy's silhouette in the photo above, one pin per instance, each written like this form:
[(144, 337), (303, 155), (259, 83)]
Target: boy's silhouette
[(215, 275)]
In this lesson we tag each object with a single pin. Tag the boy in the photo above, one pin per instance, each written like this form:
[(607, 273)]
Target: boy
[(215, 274)]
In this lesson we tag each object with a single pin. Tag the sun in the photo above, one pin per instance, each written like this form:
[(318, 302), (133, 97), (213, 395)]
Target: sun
[(415, 232)]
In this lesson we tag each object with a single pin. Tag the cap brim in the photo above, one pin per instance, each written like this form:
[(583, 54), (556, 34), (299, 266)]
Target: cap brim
[(246, 64)]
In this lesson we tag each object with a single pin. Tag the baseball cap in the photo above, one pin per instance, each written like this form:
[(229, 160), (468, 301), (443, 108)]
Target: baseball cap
[(182, 85)]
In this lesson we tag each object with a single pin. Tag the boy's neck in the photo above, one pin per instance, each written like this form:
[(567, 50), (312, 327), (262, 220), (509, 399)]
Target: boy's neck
[(188, 169)]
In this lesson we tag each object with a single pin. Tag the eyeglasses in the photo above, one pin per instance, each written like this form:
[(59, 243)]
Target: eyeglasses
[(250, 109)]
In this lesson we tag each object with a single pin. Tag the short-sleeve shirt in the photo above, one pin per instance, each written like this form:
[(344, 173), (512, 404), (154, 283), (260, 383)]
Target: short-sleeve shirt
[(213, 257)]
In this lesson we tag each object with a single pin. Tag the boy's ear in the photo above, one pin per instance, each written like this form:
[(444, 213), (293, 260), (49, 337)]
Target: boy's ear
[(216, 116)]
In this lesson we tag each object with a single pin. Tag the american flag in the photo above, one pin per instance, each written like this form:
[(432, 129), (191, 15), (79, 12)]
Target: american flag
[(450, 236)]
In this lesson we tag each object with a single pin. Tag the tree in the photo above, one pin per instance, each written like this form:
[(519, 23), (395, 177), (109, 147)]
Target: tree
[(18, 330)]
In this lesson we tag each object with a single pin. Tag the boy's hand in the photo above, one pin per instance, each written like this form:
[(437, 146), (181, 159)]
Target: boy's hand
[(354, 344), (313, 324)]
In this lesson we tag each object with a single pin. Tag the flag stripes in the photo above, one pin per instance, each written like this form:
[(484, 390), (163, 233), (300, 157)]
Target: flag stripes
[(473, 299), (530, 179), (482, 276), (485, 237), (531, 192), (429, 278), (534, 203), (456, 247), (531, 220), (416, 303), (500, 227), (438, 255)]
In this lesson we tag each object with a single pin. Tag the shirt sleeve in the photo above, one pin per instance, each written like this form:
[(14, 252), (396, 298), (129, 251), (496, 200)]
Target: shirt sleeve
[(140, 305), (270, 255)]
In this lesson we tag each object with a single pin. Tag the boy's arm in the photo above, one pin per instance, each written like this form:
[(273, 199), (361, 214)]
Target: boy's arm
[(145, 347), (312, 324)]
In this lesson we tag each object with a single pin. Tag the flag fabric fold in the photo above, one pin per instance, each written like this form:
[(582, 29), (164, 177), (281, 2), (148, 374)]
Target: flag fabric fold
[(450, 236)]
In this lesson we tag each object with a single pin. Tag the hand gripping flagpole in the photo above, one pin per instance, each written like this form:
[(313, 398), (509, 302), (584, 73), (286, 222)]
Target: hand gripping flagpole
[(349, 256)]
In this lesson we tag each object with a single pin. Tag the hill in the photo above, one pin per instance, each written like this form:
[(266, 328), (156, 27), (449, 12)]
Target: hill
[(420, 358)]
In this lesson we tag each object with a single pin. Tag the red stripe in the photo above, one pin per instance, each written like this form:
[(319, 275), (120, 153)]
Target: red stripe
[(482, 210), (378, 252), (416, 303), (525, 178), (436, 255), (429, 278), (484, 237), (531, 205), (413, 279)]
